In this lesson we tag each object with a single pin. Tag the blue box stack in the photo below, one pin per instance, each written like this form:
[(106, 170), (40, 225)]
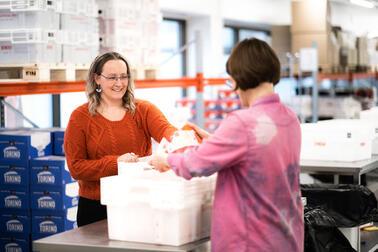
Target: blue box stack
[(17, 147), (53, 196), (38, 197)]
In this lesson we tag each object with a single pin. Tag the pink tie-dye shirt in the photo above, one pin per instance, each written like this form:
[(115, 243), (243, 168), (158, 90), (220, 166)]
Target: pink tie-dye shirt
[(257, 204)]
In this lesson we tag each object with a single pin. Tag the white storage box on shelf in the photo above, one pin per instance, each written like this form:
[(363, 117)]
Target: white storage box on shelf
[(339, 140), (29, 19), (79, 23), (79, 47), (30, 46), (115, 27), (160, 208), (88, 8), (339, 107), (120, 9), (27, 5)]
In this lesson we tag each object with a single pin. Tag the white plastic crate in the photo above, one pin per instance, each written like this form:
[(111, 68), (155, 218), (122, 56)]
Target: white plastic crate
[(339, 107), (79, 23), (88, 8), (336, 141), (120, 9), (27, 5), (29, 19), (158, 208), (30, 46), (79, 47), (79, 53), (122, 40), (133, 55), (115, 27)]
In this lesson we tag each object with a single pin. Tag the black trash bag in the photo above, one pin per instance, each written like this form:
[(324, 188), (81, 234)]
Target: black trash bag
[(345, 205), (325, 239)]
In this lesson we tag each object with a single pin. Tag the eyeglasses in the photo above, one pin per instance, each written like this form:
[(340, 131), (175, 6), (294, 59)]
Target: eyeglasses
[(115, 78)]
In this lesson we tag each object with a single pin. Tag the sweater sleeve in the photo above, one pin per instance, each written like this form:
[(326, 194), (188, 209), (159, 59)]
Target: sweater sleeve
[(79, 164), (156, 123), (226, 148)]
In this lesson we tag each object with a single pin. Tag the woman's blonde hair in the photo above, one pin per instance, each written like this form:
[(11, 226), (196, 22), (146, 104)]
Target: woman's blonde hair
[(94, 98)]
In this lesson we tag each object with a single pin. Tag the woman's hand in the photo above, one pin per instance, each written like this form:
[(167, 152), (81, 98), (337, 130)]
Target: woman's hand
[(128, 157), (200, 132), (159, 162)]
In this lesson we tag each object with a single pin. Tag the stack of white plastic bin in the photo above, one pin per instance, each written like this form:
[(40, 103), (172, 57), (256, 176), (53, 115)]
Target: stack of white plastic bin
[(160, 208), (48, 31), (29, 32), (80, 31), (130, 27)]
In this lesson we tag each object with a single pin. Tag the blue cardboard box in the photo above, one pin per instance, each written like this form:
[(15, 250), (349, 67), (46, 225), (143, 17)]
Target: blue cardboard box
[(39, 236), (49, 170), (54, 197), (15, 221), (14, 175), (57, 138), (17, 147), (51, 222), (14, 197), (58, 142), (15, 242)]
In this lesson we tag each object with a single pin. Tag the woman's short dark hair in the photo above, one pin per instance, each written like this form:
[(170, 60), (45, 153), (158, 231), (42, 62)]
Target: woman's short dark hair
[(94, 98), (253, 61)]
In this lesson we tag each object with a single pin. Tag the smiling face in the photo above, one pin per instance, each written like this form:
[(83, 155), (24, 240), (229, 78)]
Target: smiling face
[(113, 90)]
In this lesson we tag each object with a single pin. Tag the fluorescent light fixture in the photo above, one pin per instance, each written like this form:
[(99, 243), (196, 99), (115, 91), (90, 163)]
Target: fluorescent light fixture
[(363, 3)]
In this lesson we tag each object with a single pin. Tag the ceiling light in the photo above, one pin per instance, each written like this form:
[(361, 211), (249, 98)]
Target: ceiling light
[(363, 3)]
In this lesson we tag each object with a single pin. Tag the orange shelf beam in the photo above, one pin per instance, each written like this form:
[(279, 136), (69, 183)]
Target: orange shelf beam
[(53, 87), (57, 87), (323, 76)]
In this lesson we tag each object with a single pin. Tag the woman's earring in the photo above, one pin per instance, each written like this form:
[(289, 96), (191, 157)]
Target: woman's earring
[(98, 89)]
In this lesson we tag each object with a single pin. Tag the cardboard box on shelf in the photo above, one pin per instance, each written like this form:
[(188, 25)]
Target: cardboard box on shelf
[(310, 16), (281, 38), (327, 50)]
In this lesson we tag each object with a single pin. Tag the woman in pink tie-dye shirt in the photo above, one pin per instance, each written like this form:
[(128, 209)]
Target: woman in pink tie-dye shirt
[(255, 150)]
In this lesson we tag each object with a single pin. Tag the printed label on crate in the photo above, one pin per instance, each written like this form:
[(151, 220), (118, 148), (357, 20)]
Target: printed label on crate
[(12, 201), (45, 177), (46, 202), (12, 177), (12, 152), (14, 226), (48, 227)]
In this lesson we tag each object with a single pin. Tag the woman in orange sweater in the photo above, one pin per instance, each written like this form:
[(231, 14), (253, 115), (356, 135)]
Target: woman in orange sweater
[(112, 126)]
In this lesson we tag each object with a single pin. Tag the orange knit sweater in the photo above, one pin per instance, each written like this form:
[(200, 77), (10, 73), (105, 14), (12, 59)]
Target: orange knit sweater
[(93, 143)]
